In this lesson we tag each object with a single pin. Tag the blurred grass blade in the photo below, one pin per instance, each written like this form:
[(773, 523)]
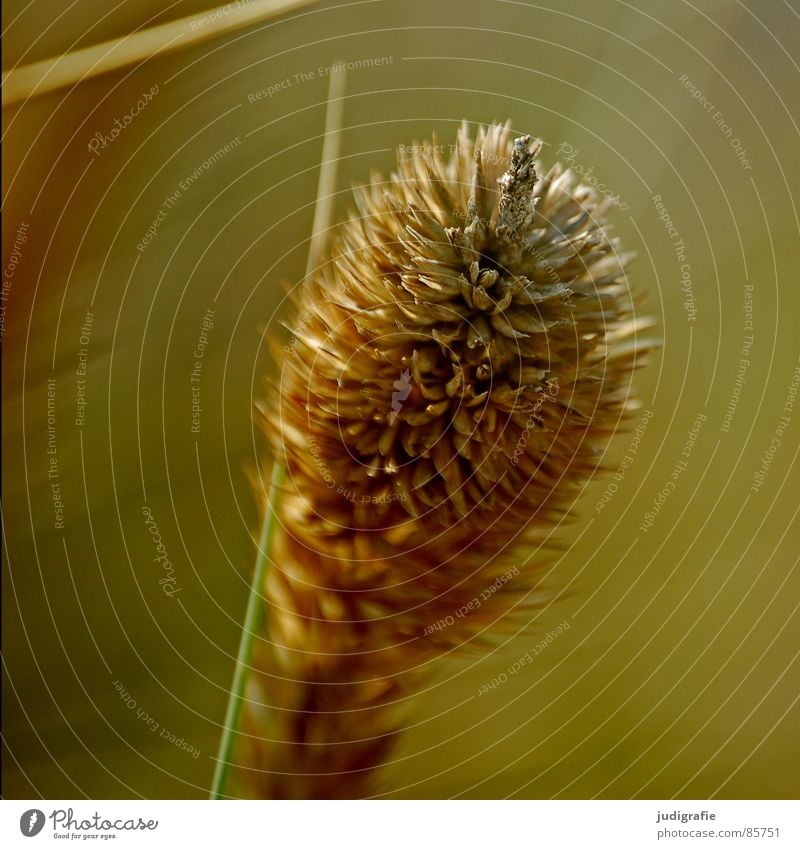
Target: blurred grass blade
[(326, 187), (69, 68), (323, 214), (252, 620)]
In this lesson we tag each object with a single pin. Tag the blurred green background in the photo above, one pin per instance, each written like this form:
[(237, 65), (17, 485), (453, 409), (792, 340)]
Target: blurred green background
[(678, 675)]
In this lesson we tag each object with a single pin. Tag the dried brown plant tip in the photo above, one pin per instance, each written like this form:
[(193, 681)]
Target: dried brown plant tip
[(457, 368)]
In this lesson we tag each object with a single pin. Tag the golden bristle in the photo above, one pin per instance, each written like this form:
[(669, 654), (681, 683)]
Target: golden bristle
[(455, 372)]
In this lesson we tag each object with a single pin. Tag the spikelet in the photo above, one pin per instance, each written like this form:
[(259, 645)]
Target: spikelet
[(456, 370)]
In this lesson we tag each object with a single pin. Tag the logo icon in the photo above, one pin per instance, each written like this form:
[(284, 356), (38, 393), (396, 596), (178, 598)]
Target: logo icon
[(31, 822), (403, 387)]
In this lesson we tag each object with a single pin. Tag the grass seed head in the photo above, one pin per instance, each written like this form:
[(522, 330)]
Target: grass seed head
[(467, 350)]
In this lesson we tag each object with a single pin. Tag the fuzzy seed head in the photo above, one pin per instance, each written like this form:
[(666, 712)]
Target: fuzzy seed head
[(456, 369), (467, 350)]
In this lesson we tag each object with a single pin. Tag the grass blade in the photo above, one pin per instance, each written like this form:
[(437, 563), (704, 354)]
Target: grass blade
[(252, 621), (78, 65), (323, 213)]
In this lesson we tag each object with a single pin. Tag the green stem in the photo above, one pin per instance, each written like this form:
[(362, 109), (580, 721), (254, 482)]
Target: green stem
[(323, 213), (252, 620)]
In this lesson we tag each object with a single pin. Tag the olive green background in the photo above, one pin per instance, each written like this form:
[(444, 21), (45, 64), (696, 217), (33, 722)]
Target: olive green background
[(678, 675)]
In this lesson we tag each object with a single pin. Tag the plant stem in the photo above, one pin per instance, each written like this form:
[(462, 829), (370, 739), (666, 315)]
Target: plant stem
[(323, 214), (252, 619)]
